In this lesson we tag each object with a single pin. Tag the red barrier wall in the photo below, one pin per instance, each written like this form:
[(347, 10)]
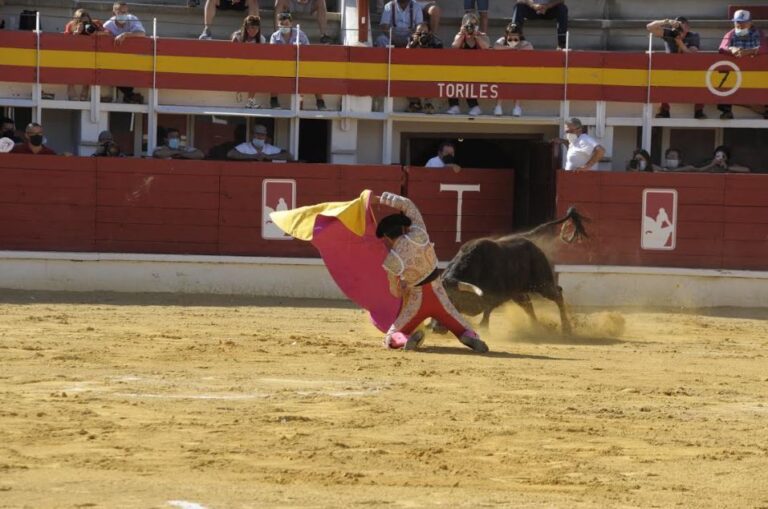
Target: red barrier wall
[(722, 219), (53, 203)]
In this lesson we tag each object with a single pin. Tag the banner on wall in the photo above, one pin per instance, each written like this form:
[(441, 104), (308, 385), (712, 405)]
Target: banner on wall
[(659, 221)]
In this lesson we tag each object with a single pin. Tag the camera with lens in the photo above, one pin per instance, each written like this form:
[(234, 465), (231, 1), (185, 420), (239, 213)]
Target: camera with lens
[(469, 28), (671, 33), (424, 40), (89, 28), (634, 164)]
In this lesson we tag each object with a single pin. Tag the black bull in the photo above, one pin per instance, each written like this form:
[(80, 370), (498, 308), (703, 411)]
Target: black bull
[(508, 268)]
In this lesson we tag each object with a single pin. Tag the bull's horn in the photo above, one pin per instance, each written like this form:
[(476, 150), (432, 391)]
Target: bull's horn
[(469, 287)]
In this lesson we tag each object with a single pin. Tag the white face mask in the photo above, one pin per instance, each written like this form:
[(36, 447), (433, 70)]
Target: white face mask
[(285, 30), (720, 156), (258, 143), (671, 163), (122, 18), (642, 165), (572, 137), (741, 32)]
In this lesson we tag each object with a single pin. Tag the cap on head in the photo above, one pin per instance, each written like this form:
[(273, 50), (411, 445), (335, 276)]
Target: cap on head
[(105, 136), (392, 226), (742, 16), (259, 129)]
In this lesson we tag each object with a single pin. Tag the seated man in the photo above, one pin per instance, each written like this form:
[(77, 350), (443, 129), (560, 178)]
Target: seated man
[(33, 143), (258, 149), (173, 149), (553, 9), (209, 12), (8, 130), (402, 16), (122, 26), (411, 267), (316, 7), (445, 157), (422, 38), (107, 146)]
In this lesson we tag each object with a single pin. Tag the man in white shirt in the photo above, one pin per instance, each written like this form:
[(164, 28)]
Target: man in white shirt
[(444, 158), (258, 149), (584, 152)]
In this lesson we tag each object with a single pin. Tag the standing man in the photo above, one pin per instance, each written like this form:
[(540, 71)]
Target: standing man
[(411, 267), (584, 152), (678, 38), (745, 40), (554, 9), (122, 26), (445, 157), (34, 142), (234, 5), (402, 16)]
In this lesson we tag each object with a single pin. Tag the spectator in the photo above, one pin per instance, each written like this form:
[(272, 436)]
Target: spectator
[(469, 37), (172, 148), (286, 34), (744, 40), (34, 142), (641, 161), (481, 6), (446, 154), (554, 9), (6, 145), (219, 152), (258, 149), (122, 26), (721, 162), (513, 40), (82, 24), (422, 38), (402, 16), (107, 146), (250, 32), (316, 7), (9, 130), (430, 12), (678, 38), (584, 152), (673, 159), (209, 12)]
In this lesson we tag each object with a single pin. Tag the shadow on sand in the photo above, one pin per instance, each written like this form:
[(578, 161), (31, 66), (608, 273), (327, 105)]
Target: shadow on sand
[(462, 350)]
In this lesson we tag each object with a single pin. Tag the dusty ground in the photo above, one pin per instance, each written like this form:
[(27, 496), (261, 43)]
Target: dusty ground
[(149, 401)]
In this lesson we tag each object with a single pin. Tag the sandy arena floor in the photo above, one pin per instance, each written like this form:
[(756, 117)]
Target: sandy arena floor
[(159, 401)]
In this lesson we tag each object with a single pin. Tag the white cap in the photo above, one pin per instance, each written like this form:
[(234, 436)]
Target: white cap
[(742, 16), (6, 145)]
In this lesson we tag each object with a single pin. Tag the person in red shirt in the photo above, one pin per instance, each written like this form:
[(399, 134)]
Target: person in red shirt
[(34, 142)]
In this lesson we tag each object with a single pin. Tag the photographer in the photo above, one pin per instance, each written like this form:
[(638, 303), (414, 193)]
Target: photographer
[(678, 38), (641, 161), (107, 146), (82, 24), (469, 37), (422, 38), (403, 16)]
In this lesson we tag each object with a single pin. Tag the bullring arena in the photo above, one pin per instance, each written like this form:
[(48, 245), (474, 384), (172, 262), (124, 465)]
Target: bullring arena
[(148, 400)]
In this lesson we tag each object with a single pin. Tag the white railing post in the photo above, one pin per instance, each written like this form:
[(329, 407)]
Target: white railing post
[(152, 100), (648, 107), (37, 89)]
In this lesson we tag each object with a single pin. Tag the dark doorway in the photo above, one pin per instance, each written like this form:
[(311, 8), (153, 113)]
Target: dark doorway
[(313, 140), (531, 158)]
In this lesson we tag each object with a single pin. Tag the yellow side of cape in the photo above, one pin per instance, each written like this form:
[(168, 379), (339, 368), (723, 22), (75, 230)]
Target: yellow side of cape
[(299, 223)]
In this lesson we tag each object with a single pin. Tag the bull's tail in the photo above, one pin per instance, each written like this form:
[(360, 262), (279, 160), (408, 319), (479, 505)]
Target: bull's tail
[(577, 220), (463, 286)]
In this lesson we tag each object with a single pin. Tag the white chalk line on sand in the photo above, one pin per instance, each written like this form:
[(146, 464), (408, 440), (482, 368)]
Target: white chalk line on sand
[(183, 504)]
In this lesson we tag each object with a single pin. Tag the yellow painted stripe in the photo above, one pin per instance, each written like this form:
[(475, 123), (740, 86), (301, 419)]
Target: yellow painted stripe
[(368, 71)]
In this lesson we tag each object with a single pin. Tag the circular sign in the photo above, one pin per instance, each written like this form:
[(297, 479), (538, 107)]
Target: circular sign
[(725, 74)]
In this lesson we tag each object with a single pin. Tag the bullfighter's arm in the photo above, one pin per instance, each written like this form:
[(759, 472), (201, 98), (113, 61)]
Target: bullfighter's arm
[(404, 205)]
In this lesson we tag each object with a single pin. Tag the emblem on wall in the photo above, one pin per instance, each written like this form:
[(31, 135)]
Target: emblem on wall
[(276, 194), (659, 219)]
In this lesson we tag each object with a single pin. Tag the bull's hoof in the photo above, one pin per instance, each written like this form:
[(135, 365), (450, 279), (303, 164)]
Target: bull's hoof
[(476, 344), (415, 341)]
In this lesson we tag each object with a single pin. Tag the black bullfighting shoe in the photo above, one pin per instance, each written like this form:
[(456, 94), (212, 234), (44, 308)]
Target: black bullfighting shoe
[(471, 340), (415, 340)]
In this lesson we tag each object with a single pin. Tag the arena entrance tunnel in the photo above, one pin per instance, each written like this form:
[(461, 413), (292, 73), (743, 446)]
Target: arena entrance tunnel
[(531, 156)]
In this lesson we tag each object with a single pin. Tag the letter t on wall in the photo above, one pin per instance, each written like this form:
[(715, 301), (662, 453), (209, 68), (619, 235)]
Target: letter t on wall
[(459, 189)]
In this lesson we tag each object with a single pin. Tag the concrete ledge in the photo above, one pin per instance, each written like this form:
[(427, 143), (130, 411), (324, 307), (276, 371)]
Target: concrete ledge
[(607, 286)]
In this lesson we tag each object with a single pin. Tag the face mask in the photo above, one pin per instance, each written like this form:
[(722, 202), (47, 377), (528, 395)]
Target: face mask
[(36, 140), (641, 165), (572, 137), (447, 159), (258, 143), (671, 163), (173, 143), (719, 156), (122, 18), (285, 30), (741, 32)]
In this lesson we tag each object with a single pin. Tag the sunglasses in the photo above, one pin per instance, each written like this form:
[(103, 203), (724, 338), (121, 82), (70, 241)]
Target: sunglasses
[(283, 16)]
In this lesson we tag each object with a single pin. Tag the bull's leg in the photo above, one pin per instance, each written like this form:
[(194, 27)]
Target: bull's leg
[(555, 293), (486, 318), (524, 301)]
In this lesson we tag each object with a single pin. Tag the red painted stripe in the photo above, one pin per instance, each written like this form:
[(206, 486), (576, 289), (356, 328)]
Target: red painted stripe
[(368, 55), (702, 95), (504, 91), (124, 78), (229, 83), (132, 45), (68, 42), (224, 49), (702, 61), (466, 58), (68, 76), (17, 74), (17, 39)]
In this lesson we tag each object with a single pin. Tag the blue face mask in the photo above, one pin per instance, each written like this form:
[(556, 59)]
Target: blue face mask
[(173, 143), (122, 18), (741, 32), (285, 30)]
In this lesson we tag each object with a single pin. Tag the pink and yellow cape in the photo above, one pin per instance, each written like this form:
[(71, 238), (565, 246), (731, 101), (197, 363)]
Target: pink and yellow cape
[(345, 235)]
